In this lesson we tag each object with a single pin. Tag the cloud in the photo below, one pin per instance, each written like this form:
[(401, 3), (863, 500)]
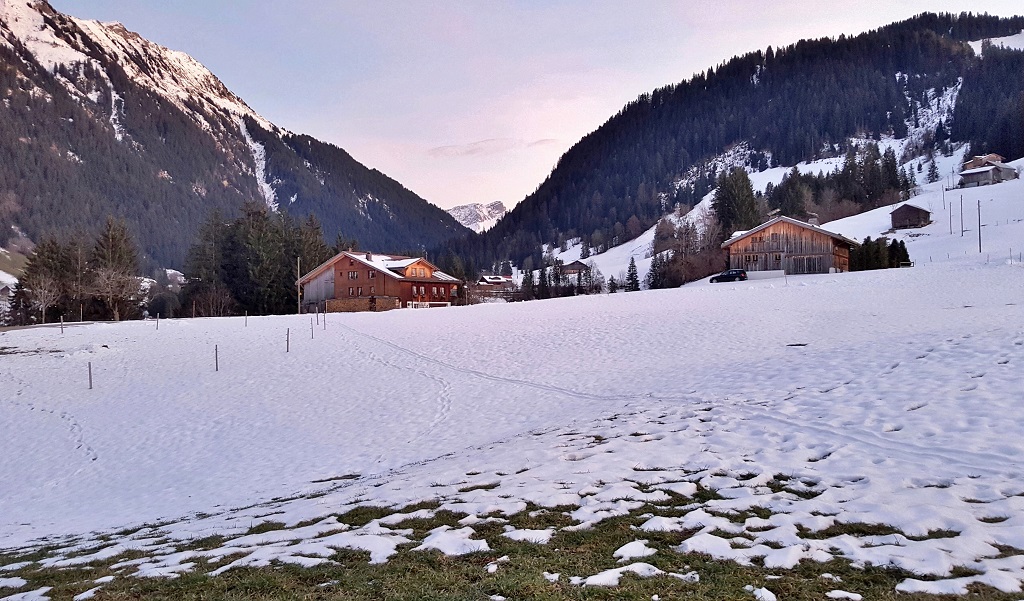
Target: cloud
[(543, 142), (481, 147)]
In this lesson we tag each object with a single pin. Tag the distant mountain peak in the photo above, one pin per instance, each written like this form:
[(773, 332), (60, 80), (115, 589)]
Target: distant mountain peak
[(478, 216)]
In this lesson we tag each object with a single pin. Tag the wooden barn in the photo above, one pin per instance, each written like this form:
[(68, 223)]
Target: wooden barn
[(362, 281), (793, 246), (909, 215)]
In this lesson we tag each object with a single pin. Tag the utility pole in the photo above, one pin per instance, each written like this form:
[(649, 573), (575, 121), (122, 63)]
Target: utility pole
[(979, 226), (961, 215), (298, 287)]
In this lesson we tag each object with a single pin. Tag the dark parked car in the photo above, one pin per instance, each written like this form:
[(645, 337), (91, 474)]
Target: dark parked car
[(730, 275)]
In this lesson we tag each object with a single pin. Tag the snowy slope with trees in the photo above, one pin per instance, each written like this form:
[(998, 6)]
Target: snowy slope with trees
[(815, 402)]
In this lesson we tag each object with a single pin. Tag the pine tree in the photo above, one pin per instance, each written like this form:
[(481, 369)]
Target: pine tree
[(613, 285), (933, 172), (527, 286), (632, 277), (543, 287), (734, 202)]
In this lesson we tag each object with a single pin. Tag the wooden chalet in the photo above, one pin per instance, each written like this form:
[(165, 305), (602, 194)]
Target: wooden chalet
[(576, 267), (362, 281), (982, 160), (908, 215), (985, 170), (786, 244)]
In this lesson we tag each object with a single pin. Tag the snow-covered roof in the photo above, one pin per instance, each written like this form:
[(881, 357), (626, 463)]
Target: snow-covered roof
[(771, 222), (386, 264), (907, 204), (978, 170)]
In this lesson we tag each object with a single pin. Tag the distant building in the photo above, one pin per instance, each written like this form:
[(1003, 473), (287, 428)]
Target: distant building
[(574, 268), (985, 170), (784, 243), (909, 215), (362, 281), (982, 160)]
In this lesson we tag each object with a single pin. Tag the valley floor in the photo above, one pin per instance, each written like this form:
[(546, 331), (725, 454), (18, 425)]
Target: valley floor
[(761, 420)]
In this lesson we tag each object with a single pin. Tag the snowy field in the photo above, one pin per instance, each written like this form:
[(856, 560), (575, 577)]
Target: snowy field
[(890, 397)]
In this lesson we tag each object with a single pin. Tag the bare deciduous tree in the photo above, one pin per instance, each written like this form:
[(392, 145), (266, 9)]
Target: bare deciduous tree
[(44, 291)]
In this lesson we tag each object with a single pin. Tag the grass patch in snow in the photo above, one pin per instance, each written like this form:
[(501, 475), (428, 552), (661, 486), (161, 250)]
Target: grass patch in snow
[(430, 575), (265, 527)]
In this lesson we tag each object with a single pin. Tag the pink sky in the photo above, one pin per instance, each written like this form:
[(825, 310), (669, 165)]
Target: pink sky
[(475, 101)]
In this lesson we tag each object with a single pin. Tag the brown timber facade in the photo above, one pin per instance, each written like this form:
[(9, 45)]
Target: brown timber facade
[(789, 245)]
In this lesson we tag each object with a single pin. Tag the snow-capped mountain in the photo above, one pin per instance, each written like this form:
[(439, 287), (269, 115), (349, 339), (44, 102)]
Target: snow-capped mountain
[(477, 216), (107, 122)]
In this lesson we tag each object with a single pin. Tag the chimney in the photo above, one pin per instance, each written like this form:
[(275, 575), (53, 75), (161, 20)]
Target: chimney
[(369, 256), (812, 218)]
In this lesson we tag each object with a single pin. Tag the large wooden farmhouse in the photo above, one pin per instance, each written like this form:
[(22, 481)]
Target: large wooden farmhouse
[(986, 170), (362, 281), (790, 245)]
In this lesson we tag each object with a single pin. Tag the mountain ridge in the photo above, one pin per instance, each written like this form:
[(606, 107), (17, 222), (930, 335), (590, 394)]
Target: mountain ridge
[(478, 216), (800, 102), (103, 121)]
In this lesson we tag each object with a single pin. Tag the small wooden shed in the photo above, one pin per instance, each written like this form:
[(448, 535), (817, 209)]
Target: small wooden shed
[(790, 245), (908, 215)]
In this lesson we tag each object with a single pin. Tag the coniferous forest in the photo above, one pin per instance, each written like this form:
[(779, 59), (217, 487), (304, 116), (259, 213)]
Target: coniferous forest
[(801, 102)]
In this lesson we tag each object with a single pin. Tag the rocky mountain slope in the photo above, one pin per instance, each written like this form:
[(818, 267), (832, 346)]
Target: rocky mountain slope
[(477, 216), (98, 120)]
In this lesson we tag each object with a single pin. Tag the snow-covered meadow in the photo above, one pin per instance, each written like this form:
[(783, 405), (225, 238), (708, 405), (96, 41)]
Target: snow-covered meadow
[(887, 398)]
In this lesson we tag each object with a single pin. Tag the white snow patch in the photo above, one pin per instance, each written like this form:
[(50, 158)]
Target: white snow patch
[(635, 549), (840, 594), (453, 542), (259, 156), (38, 594), (1013, 42)]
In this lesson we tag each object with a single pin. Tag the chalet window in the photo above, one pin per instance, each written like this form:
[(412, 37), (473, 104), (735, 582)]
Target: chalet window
[(433, 291), (371, 274), (359, 290), (442, 291), (423, 290), (372, 290), (778, 257), (353, 275), (350, 291), (351, 262)]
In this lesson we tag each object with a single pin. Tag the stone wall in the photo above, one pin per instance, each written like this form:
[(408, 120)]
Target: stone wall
[(351, 305)]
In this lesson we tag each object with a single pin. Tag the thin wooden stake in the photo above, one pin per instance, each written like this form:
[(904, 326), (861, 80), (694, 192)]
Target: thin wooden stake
[(216, 359), (62, 319), (158, 322), (247, 318), (310, 328), (90, 375), (287, 339)]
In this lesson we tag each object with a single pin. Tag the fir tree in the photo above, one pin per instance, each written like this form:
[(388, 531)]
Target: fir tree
[(527, 286), (933, 172), (613, 285), (632, 277)]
